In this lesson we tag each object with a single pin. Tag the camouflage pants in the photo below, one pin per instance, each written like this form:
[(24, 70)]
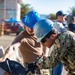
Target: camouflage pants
[(45, 71), (38, 71), (71, 74)]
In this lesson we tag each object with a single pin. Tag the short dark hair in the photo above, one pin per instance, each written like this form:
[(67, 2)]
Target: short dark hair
[(53, 31)]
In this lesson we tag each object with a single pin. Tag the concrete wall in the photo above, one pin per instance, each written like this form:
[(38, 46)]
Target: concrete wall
[(1, 14), (1, 10), (9, 8)]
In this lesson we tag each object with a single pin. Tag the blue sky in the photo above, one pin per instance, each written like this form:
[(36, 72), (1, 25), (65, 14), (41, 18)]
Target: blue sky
[(50, 6)]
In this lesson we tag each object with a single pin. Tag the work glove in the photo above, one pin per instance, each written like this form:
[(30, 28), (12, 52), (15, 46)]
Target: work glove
[(32, 67)]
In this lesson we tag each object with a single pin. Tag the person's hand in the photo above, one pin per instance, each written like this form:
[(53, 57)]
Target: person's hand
[(44, 56), (2, 60)]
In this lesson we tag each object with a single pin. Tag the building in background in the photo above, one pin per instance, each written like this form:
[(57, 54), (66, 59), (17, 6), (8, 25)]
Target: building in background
[(10, 8)]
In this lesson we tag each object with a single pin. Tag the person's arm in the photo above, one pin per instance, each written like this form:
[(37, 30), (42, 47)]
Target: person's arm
[(49, 61), (45, 51)]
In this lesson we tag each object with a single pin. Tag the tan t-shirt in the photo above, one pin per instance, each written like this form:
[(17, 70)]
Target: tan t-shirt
[(29, 48)]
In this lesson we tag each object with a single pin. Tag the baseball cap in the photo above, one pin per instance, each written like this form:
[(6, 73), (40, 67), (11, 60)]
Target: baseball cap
[(60, 13)]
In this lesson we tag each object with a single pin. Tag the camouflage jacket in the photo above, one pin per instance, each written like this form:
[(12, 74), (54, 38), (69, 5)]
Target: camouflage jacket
[(64, 50)]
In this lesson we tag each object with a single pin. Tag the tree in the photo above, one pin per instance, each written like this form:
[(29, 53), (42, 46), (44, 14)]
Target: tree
[(51, 16), (25, 8), (71, 14), (72, 11)]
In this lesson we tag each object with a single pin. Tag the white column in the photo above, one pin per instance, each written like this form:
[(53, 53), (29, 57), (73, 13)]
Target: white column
[(4, 9)]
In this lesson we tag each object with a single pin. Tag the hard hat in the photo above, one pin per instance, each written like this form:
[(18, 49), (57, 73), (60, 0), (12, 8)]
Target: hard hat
[(30, 19), (42, 28)]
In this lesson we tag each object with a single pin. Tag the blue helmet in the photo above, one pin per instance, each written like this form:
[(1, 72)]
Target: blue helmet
[(30, 19), (42, 28)]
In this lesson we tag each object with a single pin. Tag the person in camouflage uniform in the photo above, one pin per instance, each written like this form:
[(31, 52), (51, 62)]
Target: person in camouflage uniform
[(64, 46)]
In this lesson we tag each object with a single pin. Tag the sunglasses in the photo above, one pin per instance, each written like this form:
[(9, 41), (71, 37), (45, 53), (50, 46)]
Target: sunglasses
[(43, 40)]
